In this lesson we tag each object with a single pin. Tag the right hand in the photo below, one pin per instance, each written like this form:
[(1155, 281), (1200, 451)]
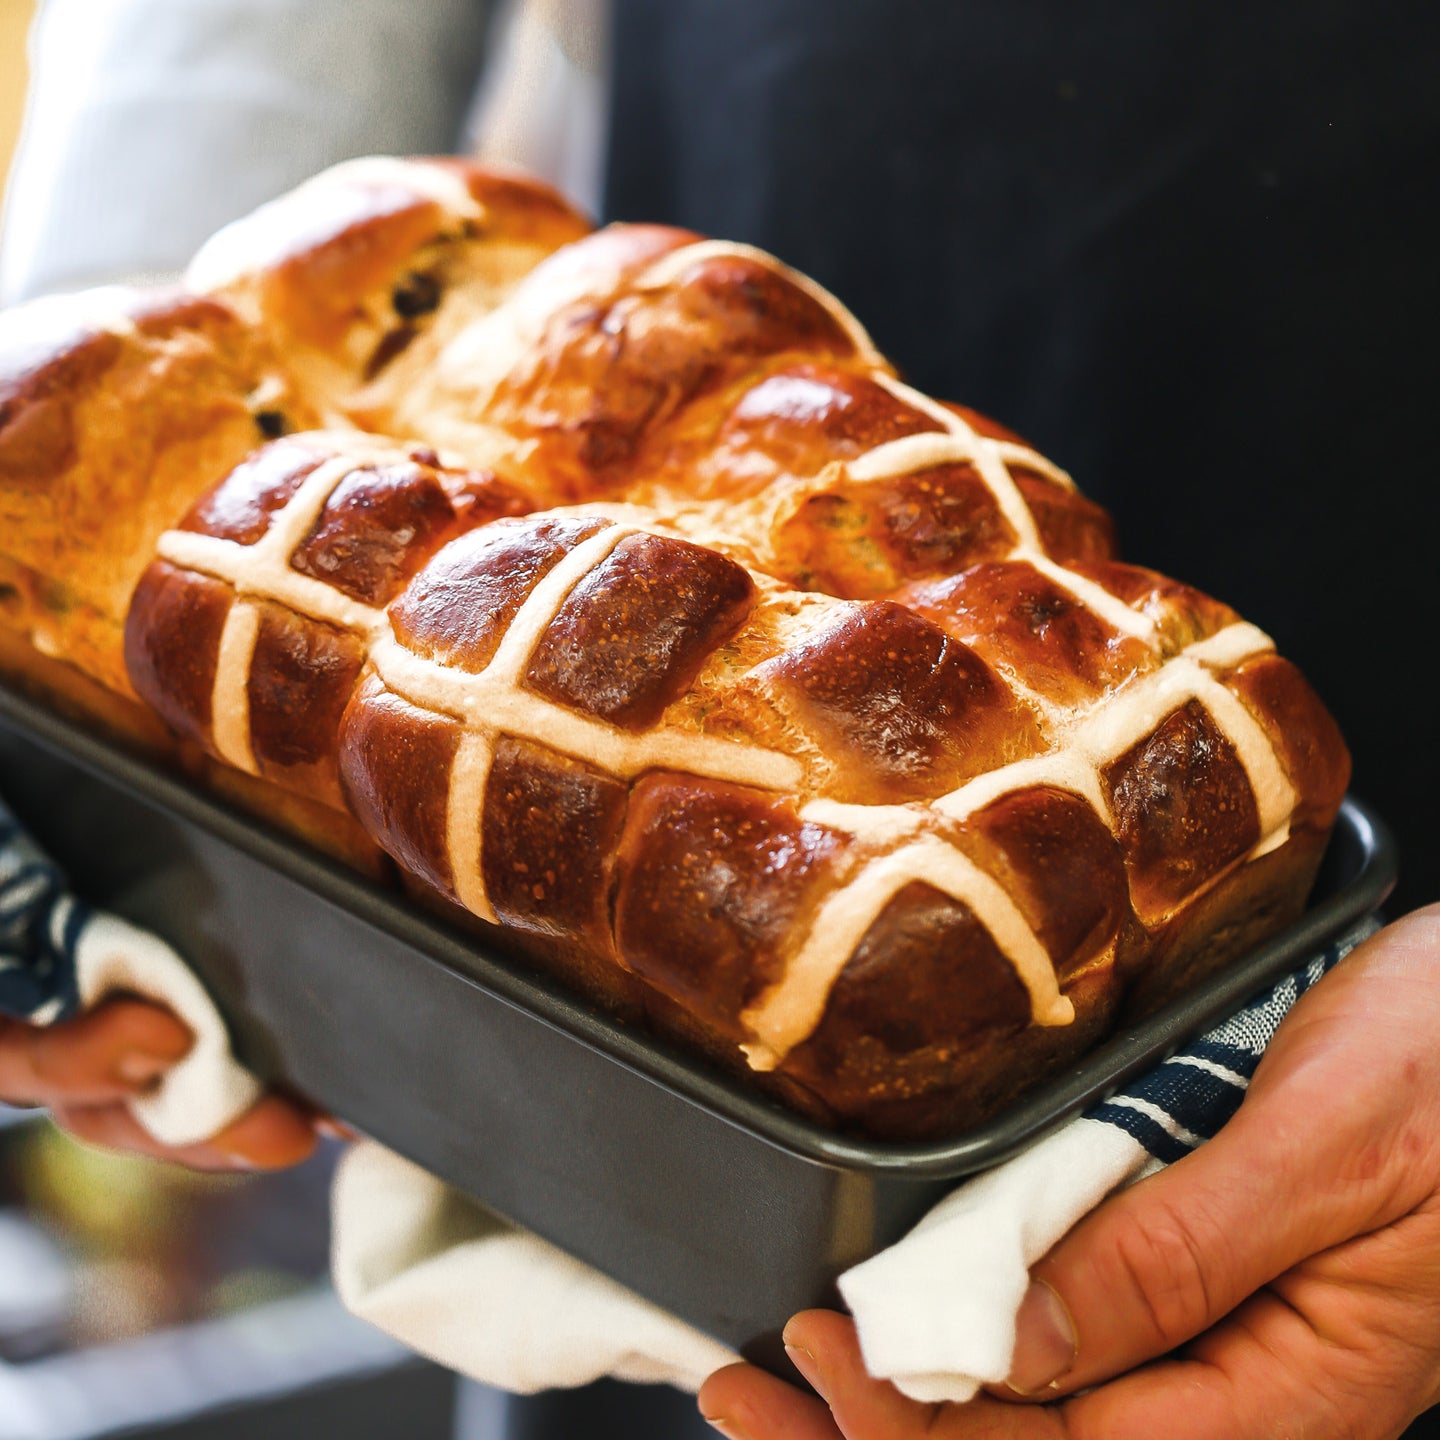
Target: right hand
[(87, 1070), (1281, 1280)]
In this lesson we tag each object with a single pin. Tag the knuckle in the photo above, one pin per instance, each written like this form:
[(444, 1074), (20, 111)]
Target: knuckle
[(1374, 1392), (92, 1127), (1075, 1424), (13, 1067), (49, 1070), (1345, 1419), (138, 1024), (78, 1124), (1167, 1268)]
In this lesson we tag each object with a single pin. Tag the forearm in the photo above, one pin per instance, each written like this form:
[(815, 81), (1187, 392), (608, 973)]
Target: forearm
[(154, 122)]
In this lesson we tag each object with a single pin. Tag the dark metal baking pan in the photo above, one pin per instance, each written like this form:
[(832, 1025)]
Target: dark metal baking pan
[(698, 1193)]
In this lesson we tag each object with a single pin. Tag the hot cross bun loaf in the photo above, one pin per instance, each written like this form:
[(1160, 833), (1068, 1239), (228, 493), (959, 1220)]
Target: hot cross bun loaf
[(618, 589)]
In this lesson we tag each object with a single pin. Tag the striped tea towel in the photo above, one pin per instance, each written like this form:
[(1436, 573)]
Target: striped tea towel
[(59, 957), (936, 1312), (39, 925)]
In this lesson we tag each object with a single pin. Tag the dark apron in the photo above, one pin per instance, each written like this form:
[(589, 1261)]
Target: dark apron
[(1192, 252)]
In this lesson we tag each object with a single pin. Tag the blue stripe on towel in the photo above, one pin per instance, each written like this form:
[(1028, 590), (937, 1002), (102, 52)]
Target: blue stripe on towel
[(40, 925), (1187, 1099), (1145, 1128), (1199, 1100)]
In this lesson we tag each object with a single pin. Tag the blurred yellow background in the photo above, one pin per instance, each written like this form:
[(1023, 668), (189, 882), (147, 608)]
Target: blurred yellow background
[(14, 21)]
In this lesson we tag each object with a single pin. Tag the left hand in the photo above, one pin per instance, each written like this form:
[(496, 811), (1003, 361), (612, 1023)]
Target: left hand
[(1283, 1280), (87, 1070)]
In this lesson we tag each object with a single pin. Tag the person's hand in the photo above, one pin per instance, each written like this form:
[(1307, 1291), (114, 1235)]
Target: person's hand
[(1283, 1280), (87, 1069)]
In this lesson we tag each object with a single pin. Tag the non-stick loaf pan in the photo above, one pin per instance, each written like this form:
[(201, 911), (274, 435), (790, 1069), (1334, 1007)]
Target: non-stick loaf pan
[(709, 1199)]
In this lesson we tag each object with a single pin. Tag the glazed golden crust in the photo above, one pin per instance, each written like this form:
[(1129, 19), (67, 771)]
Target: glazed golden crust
[(116, 410), (363, 274), (744, 686), (383, 514)]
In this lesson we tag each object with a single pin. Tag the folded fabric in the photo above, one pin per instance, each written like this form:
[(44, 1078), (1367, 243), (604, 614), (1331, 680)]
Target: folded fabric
[(457, 1284), (58, 957), (935, 1312)]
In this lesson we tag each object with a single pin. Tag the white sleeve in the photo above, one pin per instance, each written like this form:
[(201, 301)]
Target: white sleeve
[(151, 123)]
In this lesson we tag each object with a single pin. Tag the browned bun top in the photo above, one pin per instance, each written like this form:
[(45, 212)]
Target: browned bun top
[(116, 408), (621, 591), (379, 257), (250, 631)]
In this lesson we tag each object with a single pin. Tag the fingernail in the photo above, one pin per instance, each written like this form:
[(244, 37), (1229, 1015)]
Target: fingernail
[(241, 1163), (807, 1365), (728, 1428), (137, 1068), (1045, 1344), (234, 1157)]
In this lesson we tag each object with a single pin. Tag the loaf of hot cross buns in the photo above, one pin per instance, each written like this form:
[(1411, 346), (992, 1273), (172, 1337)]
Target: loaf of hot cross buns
[(615, 587)]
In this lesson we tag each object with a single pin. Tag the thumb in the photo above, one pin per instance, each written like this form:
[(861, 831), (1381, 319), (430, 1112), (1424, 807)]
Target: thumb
[(1295, 1172)]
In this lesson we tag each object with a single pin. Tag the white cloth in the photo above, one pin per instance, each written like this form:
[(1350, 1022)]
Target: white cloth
[(152, 123), (208, 1089), (458, 1284), (935, 1312), (58, 957)]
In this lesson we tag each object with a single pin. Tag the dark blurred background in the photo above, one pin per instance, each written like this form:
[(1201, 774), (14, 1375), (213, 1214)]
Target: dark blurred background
[(141, 1299)]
